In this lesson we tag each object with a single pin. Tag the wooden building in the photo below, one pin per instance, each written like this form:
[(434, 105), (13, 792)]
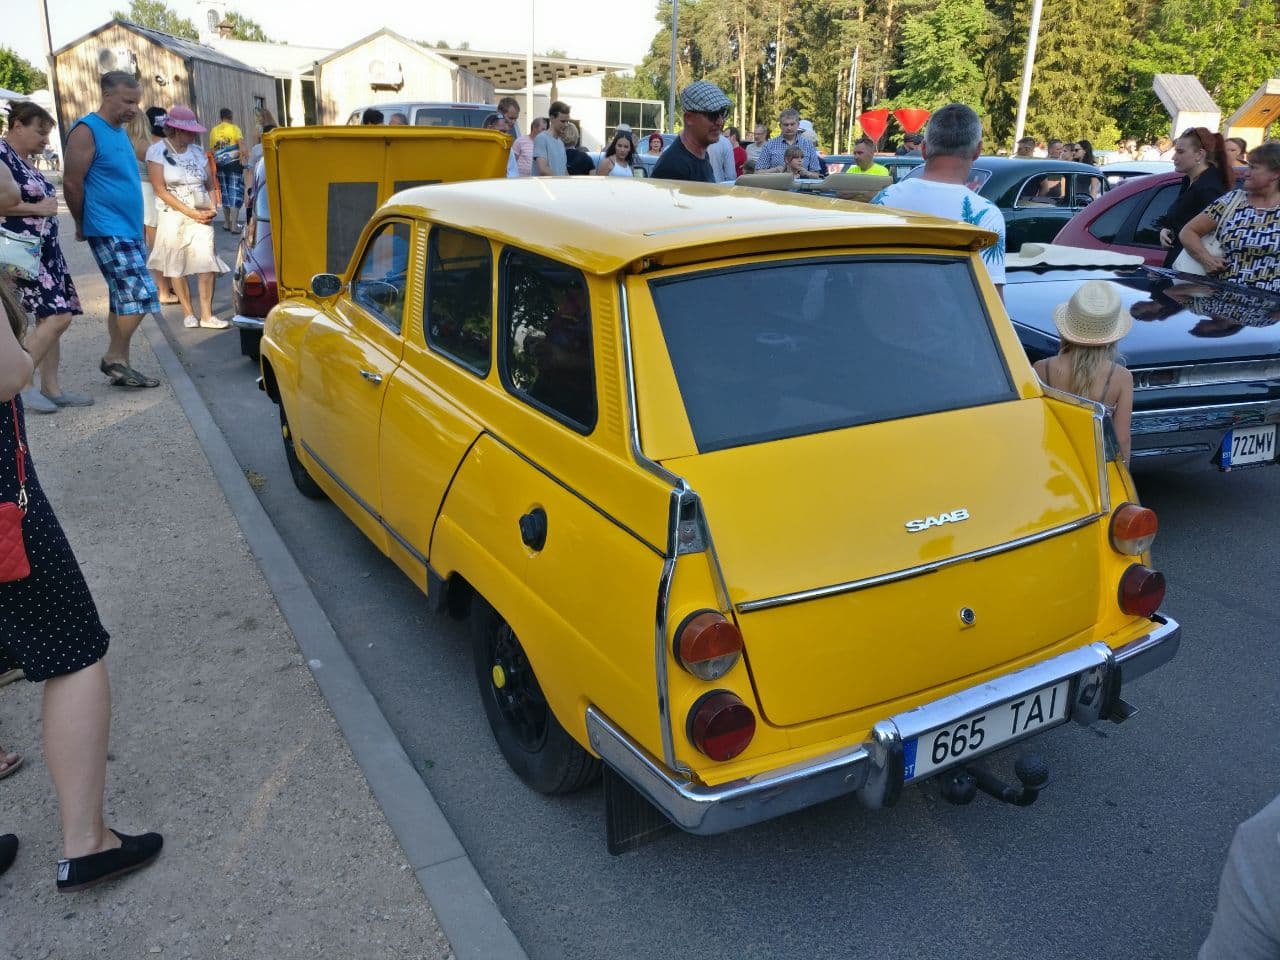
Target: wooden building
[(170, 69), (385, 67)]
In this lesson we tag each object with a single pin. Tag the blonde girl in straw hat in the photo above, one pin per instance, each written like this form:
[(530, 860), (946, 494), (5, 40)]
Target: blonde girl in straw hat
[(1091, 323)]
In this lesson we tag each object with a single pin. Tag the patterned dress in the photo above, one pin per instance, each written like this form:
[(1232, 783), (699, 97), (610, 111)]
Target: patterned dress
[(52, 292), (48, 622), (1250, 243)]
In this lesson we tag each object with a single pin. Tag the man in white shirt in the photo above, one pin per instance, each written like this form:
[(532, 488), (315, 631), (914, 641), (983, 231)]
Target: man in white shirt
[(952, 141)]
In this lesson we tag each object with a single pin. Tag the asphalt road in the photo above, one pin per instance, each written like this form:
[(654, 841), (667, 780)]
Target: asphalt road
[(1119, 859)]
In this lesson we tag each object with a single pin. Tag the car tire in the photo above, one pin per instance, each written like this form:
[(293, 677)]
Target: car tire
[(301, 479), (251, 344), (531, 739)]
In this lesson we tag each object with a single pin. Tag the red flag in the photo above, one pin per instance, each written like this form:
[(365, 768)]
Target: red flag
[(911, 118), (874, 122)]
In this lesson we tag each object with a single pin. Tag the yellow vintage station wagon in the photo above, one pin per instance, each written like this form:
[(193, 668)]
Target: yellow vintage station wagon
[(753, 498)]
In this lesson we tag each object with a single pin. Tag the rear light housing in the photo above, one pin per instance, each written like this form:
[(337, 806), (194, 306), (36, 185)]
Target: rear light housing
[(1141, 591), (1133, 528), (721, 725), (253, 285), (708, 644)]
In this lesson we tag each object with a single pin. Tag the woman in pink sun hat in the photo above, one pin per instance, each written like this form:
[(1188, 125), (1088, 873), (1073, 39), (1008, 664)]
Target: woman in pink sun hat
[(186, 188)]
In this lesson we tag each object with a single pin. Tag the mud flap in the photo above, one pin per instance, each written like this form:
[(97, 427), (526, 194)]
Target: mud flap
[(630, 820)]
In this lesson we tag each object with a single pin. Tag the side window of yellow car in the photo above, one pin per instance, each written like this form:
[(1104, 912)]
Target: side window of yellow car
[(458, 306), (545, 337), (379, 283)]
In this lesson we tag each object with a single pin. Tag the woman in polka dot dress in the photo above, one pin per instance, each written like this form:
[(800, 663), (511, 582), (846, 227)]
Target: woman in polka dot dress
[(50, 627)]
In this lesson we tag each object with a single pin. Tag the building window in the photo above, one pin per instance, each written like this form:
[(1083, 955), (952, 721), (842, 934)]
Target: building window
[(643, 116)]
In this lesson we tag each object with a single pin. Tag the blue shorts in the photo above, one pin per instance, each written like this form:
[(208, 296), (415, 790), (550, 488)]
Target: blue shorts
[(123, 262), (232, 186)]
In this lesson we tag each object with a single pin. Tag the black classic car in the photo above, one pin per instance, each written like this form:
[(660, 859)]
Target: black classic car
[(1205, 358), (1037, 197)]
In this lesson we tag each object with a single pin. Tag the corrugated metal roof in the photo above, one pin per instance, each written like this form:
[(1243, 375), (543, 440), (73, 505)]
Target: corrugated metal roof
[(1183, 91)]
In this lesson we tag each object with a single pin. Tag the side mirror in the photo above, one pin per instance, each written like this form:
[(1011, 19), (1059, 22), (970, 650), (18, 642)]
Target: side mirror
[(325, 285)]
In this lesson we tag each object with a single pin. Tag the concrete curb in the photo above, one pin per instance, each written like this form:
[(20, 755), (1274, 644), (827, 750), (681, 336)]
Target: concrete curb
[(466, 911)]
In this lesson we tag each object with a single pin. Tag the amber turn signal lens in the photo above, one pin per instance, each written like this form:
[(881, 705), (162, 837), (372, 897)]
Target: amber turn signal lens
[(721, 725), (708, 644), (1141, 591), (1133, 528)]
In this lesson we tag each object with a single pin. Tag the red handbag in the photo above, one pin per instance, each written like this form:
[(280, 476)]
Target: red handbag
[(14, 564)]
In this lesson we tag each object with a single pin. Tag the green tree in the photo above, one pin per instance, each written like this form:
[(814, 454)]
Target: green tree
[(242, 28), (941, 55), (1232, 46), (156, 15), (20, 75)]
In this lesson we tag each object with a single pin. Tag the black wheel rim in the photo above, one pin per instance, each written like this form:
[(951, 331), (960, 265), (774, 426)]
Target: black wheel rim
[(519, 699)]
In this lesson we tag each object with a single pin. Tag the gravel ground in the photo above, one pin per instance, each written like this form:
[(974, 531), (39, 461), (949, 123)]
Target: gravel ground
[(274, 845)]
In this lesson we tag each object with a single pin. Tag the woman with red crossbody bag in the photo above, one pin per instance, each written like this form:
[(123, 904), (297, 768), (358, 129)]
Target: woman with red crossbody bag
[(49, 626)]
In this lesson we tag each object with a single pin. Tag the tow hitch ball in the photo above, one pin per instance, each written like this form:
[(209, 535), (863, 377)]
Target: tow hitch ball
[(961, 785)]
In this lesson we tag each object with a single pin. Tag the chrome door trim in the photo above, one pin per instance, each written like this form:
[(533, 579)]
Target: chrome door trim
[(633, 414), (391, 531), (851, 586)]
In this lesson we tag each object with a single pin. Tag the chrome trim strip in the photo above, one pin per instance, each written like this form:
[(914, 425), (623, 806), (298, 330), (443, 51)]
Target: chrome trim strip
[(871, 769), (574, 493), (662, 685), (1206, 374), (851, 586), (391, 531), (248, 323), (1100, 443), (628, 365), (1219, 416)]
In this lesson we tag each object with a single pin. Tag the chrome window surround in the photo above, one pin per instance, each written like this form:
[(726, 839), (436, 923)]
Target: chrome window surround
[(1205, 374), (685, 509), (1100, 443), (873, 769), (851, 586)]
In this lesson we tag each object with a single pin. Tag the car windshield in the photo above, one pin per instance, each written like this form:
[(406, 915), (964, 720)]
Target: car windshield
[(450, 117), (787, 349)]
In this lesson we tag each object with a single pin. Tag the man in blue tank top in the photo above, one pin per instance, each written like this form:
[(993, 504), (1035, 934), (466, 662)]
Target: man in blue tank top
[(103, 189)]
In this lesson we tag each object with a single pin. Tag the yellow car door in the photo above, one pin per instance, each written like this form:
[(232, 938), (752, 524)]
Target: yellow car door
[(350, 352)]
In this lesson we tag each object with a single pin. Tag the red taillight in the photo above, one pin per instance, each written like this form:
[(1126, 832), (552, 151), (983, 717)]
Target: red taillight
[(1141, 591), (708, 644), (1132, 529), (721, 725), (253, 286)]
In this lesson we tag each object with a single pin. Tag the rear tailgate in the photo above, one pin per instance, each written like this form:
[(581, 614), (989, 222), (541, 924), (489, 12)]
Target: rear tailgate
[(324, 183), (843, 607)]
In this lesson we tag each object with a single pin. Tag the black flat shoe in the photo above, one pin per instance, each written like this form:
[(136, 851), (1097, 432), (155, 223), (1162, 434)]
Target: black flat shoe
[(8, 850), (134, 853)]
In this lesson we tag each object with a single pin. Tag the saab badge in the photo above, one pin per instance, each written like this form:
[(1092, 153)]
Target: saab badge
[(924, 523)]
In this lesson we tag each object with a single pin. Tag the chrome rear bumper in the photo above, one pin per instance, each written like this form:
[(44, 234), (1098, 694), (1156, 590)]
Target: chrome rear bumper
[(874, 769), (248, 323), (1188, 437)]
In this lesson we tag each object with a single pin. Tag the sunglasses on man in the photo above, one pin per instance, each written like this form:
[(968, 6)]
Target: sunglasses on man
[(714, 115)]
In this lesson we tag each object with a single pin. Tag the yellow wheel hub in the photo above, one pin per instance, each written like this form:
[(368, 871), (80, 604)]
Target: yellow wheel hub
[(499, 676)]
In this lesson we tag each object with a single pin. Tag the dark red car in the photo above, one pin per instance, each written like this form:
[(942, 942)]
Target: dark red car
[(1124, 218), (253, 282)]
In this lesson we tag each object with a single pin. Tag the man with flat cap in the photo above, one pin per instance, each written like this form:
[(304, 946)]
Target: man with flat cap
[(705, 107)]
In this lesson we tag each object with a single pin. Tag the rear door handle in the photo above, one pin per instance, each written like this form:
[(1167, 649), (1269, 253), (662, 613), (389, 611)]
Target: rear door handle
[(371, 376)]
